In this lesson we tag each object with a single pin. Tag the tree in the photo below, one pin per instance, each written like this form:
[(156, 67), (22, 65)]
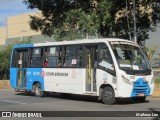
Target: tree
[(107, 18), (5, 62), (5, 56), (156, 62), (147, 18), (150, 51)]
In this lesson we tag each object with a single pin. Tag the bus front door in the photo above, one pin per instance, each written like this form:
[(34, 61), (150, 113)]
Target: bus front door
[(90, 62), (22, 59)]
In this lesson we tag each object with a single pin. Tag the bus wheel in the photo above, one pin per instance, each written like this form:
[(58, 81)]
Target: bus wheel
[(16, 90), (108, 96), (38, 90)]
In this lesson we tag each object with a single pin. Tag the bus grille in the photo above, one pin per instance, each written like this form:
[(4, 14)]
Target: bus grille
[(140, 86), (138, 83)]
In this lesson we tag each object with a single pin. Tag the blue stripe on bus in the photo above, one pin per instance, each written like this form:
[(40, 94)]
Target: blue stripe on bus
[(33, 75), (140, 86), (13, 77), (23, 46)]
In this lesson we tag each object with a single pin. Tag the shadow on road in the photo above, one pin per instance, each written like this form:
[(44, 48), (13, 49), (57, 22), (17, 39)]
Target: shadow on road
[(62, 96), (126, 101)]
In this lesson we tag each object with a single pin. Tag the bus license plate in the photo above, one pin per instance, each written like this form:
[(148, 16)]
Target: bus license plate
[(141, 94)]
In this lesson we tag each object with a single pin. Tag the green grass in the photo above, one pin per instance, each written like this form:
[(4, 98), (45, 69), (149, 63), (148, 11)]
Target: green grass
[(157, 80)]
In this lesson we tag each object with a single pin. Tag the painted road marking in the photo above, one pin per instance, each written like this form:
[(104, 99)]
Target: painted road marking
[(13, 102)]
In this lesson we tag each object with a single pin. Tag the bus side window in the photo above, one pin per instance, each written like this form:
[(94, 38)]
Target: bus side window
[(73, 56), (36, 57), (53, 56)]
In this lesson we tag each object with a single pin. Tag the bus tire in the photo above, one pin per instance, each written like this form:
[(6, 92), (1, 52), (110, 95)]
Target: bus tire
[(16, 90), (38, 90), (108, 96)]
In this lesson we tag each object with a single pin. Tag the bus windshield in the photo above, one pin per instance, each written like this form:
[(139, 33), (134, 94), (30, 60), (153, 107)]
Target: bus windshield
[(131, 58)]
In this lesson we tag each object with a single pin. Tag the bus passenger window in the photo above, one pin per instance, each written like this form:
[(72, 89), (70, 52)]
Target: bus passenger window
[(53, 56), (36, 58), (73, 56)]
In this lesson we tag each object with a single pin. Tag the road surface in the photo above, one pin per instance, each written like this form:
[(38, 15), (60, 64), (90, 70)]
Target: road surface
[(21, 102)]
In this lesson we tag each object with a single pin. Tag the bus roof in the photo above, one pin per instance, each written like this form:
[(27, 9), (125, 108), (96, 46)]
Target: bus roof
[(80, 41)]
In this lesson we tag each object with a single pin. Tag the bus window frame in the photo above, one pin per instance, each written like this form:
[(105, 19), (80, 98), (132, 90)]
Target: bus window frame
[(15, 57), (62, 47), (31, 50), (64, 55), (45, 49)]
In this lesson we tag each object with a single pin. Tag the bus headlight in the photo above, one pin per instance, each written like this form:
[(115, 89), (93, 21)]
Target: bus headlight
[(126, 80), (152, 81)]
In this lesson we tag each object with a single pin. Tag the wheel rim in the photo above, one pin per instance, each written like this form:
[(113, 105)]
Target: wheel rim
[(38, 90), (108, 95)]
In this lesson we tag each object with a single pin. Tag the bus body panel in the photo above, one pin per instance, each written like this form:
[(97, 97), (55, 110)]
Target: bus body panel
[(64, 80), (104, 78), (34, 76), (135, 86), (54, 80), (13, 77)]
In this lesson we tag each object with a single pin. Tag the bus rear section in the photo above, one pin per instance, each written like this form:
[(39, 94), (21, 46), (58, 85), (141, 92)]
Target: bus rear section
[(18, 67)]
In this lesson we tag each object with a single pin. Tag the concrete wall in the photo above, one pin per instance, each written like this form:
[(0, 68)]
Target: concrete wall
[(156, 90), (18, 26), (2, 35), (5, 84), (157, 86)]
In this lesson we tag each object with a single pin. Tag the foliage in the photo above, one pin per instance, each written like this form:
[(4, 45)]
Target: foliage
[(157, 80), (69, 35), (5, 60), (150, 51), (107, 18), (157, 58), (156, 63)]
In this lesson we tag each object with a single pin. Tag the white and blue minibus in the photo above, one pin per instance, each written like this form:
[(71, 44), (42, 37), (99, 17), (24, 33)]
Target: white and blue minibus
[(109, 68)]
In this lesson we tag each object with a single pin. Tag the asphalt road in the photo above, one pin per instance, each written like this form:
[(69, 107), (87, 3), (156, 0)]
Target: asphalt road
[(12, 101)]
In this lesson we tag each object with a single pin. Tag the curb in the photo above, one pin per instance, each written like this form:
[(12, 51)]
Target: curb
[(5, 84)]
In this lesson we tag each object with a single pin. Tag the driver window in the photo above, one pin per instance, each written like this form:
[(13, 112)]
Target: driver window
[(105, 59)]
